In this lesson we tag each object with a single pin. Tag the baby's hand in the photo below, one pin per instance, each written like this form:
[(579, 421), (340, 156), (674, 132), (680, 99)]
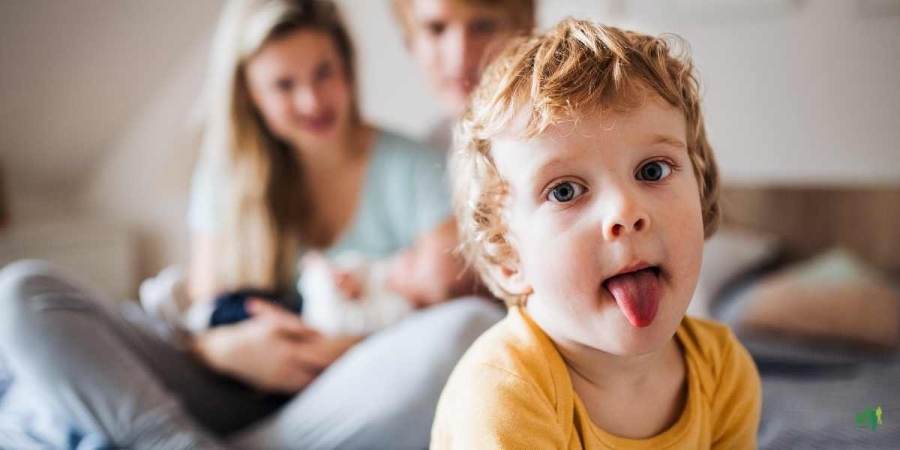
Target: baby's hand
[(413, 278), (347, 282)]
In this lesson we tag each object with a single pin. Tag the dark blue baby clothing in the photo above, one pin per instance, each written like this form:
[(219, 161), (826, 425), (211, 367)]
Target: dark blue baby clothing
[(229, 307)]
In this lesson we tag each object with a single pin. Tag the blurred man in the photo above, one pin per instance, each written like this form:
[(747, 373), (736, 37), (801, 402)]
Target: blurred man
[(452, 41)]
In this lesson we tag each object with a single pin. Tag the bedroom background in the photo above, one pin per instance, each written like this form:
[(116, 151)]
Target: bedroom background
[(98, 136)]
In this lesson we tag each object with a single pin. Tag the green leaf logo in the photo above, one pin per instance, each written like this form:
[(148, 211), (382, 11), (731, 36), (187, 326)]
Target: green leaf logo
[(870, 418)]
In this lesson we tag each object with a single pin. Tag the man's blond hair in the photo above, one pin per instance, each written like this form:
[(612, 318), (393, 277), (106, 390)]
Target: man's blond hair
[(575, 70), (522, 12)]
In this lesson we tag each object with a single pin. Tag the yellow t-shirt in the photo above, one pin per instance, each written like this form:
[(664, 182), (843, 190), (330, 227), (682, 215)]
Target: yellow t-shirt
[(512, 390)]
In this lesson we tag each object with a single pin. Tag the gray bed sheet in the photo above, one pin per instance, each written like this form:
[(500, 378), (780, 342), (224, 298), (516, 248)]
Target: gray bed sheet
[(815, 404), (23, 429), (813, 391)]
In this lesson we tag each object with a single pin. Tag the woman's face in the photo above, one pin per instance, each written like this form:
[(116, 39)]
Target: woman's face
[(299, 83)]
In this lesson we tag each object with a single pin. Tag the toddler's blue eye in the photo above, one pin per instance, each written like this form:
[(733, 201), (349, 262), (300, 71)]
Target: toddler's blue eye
[(655, 171), (565, 192)]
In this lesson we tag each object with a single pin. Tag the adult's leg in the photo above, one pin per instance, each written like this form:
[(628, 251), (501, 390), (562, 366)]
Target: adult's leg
[(383, 392), (109, 370)]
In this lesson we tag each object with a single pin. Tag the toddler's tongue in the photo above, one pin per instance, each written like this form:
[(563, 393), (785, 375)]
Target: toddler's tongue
[(637, 294)]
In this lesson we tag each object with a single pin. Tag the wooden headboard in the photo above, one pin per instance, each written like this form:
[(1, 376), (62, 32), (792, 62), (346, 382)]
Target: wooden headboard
[(865, 220)]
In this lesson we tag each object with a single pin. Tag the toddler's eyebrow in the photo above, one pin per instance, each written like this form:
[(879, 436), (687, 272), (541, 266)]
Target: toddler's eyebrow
[(541, 171), (667, 140)]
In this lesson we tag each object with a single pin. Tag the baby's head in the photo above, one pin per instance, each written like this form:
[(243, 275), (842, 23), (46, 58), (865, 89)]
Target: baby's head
[(584, 184)]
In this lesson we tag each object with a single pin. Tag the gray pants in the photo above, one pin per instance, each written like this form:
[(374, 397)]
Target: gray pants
[(114, 371)]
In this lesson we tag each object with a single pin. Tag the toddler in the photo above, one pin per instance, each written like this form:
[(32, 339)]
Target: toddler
[(584, 187)]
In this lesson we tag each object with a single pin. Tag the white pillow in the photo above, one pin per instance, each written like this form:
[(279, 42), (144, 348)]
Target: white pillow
[(728, 254)]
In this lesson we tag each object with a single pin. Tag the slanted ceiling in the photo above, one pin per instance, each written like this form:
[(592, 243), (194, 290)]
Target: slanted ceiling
[(74, 73)]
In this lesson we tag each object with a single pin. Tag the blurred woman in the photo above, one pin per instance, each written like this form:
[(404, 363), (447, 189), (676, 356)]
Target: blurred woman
[(288, 165)]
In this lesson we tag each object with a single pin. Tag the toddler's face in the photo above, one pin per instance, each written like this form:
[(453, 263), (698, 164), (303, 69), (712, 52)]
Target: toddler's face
[(608, 195)]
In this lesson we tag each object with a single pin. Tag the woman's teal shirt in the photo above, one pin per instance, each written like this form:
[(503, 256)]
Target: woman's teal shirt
[(404, 195)]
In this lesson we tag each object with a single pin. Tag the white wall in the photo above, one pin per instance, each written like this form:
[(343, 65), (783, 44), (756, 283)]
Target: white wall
[(95, 163), (144, 182), (810, 98), (75, 72)]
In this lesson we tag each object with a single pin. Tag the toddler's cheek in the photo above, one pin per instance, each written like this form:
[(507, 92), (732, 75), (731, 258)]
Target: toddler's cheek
[(551, 257)]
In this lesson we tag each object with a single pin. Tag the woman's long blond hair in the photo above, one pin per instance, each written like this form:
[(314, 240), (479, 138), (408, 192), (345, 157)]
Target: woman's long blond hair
[(263, 193)]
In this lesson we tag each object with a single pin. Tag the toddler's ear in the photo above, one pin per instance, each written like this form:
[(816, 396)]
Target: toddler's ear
[(511, 279)]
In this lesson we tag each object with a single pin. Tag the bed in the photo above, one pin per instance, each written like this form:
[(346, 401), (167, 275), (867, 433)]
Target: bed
[(820, 391)]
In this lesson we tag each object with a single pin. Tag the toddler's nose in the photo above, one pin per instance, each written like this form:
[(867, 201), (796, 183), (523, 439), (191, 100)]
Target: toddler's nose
[(627, 217)]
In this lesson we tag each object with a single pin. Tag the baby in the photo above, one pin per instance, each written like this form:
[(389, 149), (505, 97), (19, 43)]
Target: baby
[(346, 295), (584, 187), (350, 295)]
